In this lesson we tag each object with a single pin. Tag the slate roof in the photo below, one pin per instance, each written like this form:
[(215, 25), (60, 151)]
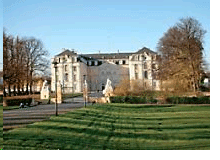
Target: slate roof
[(118, 55), (66, 52), (123, 55)]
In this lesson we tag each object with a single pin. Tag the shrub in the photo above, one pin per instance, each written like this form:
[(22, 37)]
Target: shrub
[(188, 100), (131, 99), (17, 102), (1, 98)]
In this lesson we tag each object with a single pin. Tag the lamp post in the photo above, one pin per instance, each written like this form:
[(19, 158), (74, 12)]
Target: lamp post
[(85, 92), (56, 105)]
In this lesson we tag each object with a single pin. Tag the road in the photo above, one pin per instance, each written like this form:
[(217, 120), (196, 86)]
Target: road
[(21, 117)]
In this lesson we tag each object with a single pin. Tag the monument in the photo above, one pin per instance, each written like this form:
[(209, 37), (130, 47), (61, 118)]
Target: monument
[(108, 91), (45, 93)]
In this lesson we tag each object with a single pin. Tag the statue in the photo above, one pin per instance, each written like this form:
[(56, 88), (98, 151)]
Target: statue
[(108, 91), (45, 90)]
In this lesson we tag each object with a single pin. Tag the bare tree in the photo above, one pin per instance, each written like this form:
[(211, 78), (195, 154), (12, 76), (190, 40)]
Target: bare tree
[(36, 59), (181, 50), (8, 63), (21, 60)]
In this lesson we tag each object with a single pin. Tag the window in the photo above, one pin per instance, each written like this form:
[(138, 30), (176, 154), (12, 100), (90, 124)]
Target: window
[(154, 84), (136, 75), (145, 75), (66, 77), (103, 86), (99, 62), (135, 67), (66, 68), (153, 66), (74, 68), (145, 65)]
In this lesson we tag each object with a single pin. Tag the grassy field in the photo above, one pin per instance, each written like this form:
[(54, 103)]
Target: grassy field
[(1, 126), (118, 126)]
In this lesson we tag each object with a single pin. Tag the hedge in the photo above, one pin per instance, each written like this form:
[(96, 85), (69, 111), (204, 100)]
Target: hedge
[(170, 100), (131, 99), (17, 102), (188, 100), (1, 98)]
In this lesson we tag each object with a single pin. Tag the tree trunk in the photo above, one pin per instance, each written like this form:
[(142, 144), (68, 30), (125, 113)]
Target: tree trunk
[(14, 92), (31, 83), (18, 87), (22, 89), (27, 92), (9, 89), (4, 92)]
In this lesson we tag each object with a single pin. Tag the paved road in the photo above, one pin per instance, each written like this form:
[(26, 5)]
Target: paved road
[(21, 117)]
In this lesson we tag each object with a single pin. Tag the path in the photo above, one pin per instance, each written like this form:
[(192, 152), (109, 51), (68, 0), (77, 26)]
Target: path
[(21, 117)]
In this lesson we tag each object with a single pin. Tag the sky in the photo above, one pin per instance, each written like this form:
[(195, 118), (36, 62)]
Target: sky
[(90, 26)]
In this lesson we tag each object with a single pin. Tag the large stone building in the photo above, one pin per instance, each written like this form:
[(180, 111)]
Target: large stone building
[(73, 69)]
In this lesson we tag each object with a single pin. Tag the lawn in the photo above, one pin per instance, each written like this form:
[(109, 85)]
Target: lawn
[(1, 126), (118, 127)]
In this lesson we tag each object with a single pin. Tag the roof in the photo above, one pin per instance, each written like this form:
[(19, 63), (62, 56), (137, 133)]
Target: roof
[(108, 55), (118, 55), (144, 49), (122, 55), (67, 52)]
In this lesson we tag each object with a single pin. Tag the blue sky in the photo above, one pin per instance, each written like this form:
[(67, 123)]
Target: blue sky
[(89, 26)]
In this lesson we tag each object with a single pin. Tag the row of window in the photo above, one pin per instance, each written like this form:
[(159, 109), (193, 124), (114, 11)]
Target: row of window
[(66, 77), (66, 68), (145, 75), (74, 59), (145, 66), (94, 63)]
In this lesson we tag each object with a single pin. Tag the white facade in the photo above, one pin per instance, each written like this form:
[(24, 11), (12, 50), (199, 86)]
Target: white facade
[(73, 69)]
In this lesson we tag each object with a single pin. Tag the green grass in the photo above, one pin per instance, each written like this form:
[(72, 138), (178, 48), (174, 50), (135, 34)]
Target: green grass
[(1, 126), (118, 126), (72, 95), (10, 107)]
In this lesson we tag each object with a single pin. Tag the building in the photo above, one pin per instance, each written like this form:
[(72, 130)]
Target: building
[(73, 69)]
